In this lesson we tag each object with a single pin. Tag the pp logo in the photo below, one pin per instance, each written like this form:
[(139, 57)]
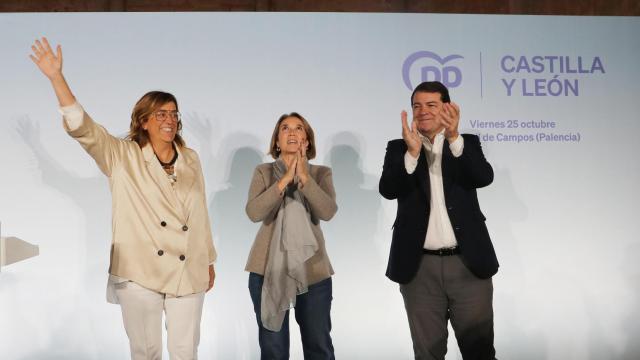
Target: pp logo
[(450, 75)]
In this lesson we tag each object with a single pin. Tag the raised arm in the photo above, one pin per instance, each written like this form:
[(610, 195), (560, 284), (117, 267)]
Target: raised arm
[(395, 180), (476, 172), (321, 195), (264, 197), (50, 64), (104, 148)]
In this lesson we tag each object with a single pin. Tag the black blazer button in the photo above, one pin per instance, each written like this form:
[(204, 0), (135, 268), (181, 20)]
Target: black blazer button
[(163, 223), (182, 257), (160, 252), (185, 228)]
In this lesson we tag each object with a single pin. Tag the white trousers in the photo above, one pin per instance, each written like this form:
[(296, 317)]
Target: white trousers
[(142, 315)]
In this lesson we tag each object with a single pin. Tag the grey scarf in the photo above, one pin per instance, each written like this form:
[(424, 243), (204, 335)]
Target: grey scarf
[(292, 244)]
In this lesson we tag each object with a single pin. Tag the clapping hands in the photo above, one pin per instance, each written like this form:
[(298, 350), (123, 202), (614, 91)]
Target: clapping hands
[(410, 135), (449, 117)]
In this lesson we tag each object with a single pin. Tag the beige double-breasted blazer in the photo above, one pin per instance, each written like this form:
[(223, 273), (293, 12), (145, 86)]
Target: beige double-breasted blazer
[(161, 233)]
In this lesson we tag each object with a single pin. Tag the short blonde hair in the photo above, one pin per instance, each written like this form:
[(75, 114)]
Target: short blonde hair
[(274, 150), (144, 108)]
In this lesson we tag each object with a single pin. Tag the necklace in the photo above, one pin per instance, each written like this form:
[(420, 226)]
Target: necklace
[(169, 165)]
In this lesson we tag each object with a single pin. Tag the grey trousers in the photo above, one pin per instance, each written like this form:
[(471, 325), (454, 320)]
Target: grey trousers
[(445, 289)]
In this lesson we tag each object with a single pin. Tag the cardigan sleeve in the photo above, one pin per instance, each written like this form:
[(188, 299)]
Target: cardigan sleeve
[(263, 196), (321, 195)]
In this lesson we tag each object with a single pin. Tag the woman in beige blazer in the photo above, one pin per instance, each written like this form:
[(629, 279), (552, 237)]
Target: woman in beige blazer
[(288, 263), (162, 251)]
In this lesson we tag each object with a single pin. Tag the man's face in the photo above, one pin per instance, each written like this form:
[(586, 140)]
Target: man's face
[(426, 107)]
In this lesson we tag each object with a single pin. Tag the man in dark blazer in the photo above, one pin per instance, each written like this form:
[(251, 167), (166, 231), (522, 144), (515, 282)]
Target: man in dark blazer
[(441, 253)]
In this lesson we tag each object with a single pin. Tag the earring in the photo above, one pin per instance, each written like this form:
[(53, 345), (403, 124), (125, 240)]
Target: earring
[(278, 148)]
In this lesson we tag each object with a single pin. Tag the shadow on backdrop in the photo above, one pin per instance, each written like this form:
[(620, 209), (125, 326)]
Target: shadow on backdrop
[(228, 308), (513, 339), (87, 307), (355, 254), (235, 236)]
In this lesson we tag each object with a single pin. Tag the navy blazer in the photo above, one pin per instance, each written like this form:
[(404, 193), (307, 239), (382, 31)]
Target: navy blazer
[(461, 177)]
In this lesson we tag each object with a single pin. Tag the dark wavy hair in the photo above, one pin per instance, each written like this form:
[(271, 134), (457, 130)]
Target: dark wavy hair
[(433, 87)]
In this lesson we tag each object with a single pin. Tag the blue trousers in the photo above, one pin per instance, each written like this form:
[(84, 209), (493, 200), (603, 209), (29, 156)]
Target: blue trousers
[(312, 315)]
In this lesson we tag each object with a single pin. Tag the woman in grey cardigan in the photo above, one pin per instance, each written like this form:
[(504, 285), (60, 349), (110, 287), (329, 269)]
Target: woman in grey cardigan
[(288, 263)]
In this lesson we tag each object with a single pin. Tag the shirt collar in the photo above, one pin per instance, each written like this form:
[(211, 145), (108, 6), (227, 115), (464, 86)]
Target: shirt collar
[(436, 140)]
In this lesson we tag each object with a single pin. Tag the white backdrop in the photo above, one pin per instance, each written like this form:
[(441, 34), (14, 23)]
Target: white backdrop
[(560, 211)]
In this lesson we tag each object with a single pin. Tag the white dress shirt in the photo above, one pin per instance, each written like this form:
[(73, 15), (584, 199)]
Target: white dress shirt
[(439, 231)]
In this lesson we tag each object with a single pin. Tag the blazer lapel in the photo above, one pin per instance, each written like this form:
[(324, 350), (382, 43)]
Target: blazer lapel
[(422, 171), (448, 168), (159, 176), (186, 173)]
